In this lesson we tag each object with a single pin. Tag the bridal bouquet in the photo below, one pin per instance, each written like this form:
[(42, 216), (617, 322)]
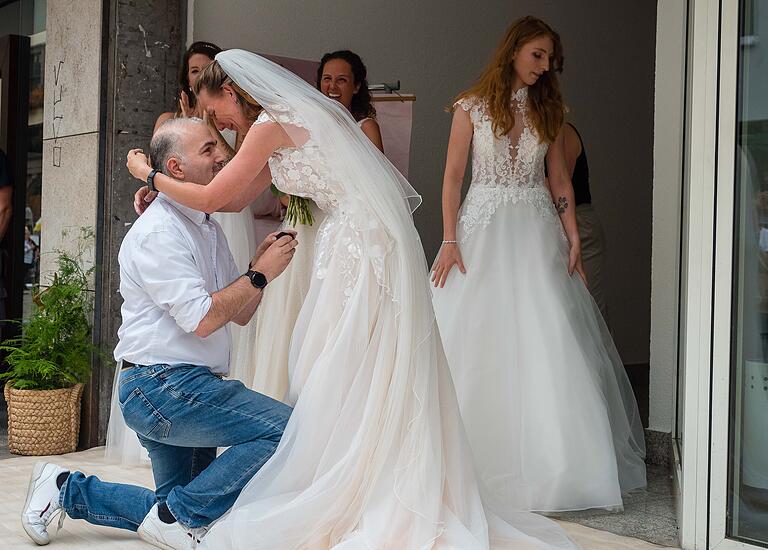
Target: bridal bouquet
[(298, 211)]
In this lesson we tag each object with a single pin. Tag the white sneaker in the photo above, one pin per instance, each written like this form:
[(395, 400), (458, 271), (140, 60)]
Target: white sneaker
[(170, 536), (42, 502)]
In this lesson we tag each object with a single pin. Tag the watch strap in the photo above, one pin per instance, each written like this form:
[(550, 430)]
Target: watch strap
[(151, 180), (257, 278)]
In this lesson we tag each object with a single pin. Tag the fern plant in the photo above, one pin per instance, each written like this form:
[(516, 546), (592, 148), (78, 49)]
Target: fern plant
[(55, 348)]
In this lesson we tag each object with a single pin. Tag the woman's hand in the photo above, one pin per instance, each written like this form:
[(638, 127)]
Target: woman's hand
[(138, 164), (575, 264), (142, 199), (448, 256), (186, 110)]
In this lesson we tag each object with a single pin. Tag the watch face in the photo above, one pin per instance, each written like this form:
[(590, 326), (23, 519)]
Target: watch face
[(258, 279)]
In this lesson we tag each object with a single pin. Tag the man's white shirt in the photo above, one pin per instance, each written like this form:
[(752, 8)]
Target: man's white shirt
[(171, 261)]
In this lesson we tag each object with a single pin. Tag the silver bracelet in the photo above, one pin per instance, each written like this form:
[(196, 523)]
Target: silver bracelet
[(450, 242)]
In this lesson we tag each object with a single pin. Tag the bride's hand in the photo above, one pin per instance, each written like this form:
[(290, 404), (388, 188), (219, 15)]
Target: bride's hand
[(448, 256), (142, 199), (575, 263), (138, 164)]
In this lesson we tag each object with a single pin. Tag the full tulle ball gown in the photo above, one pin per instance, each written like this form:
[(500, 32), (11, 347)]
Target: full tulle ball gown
[(279, 309), (374, 455), (276, 317), (547, 405)]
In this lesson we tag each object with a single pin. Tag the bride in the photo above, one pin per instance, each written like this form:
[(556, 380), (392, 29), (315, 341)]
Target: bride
[(547, 406), (374, 455), (342, 76)]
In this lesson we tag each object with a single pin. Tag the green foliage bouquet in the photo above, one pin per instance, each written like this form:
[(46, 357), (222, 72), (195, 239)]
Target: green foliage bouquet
[(298, 210)]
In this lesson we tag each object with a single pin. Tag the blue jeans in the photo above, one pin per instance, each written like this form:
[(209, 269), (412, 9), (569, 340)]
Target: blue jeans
[(181, 414)]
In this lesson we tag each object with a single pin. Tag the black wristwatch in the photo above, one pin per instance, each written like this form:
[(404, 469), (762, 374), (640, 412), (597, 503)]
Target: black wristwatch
[(258, 279), (151, 181)]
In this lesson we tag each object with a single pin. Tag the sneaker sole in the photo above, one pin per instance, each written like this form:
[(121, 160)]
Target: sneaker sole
[(36, 473), (149, 539)]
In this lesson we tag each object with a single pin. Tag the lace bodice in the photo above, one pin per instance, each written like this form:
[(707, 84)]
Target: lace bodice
[(302, 170), (504, 168), (348, 237)]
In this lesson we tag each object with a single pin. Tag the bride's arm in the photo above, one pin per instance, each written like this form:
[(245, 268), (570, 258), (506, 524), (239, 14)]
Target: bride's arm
[(455, 166), (261, 141), (561, 188), (251, 193)]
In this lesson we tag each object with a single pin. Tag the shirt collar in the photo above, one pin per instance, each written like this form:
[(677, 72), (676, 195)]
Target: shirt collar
[(196, 216)]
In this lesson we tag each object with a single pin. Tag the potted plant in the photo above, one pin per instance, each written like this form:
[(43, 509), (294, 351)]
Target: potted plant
[(51, 361)]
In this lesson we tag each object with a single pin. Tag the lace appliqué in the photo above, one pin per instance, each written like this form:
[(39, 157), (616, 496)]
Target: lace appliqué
[(350, 240), (302, 170), (504, 168), (482, 201), (346, 244)]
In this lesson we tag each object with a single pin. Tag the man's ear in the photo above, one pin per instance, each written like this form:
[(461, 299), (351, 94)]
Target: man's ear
[(174, 168)]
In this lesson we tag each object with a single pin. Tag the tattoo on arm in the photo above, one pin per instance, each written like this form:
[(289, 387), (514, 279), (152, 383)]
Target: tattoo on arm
[(561, 205)]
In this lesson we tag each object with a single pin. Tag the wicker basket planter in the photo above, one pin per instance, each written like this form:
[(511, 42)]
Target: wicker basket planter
[(43, 422)]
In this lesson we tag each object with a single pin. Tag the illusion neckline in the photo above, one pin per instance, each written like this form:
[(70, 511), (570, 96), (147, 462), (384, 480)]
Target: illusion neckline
[(521, 94)]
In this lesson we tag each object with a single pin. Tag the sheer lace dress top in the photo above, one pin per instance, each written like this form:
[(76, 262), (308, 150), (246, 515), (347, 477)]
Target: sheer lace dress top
[(506, 168), (302, 170), (516, 158)]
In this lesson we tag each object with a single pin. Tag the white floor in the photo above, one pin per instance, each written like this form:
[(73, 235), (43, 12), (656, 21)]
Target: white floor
[(14, 476)]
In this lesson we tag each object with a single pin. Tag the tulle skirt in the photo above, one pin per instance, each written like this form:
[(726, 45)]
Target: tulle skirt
[(277, 314), (374, 455), (547, 405)]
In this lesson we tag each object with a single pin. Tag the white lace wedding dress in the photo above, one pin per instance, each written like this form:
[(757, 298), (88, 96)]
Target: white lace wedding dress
[(279, 309), (547, 405), (374, 455)]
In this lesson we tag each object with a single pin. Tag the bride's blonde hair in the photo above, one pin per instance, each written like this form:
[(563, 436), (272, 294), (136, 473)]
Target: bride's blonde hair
[(212, 78)]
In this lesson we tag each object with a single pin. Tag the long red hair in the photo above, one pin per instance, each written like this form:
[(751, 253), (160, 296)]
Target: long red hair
[(495, 85)]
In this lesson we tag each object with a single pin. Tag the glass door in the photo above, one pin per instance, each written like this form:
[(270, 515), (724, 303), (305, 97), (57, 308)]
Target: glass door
[(739, 466), (748, 415)]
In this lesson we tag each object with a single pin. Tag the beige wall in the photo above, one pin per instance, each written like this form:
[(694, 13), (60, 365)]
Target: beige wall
[(667, 177), (436, 48), (70, 126)]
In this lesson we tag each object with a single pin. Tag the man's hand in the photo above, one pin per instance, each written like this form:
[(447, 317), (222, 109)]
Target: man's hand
[(142, 199), (138, 164), (273, 260), (266, 243)]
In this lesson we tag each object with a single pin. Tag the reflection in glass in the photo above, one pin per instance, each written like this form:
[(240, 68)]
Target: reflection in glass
[(748, 460), (32, 219)]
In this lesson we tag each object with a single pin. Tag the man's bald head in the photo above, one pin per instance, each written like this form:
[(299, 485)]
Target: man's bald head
[(169, 141), (185, 149)]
